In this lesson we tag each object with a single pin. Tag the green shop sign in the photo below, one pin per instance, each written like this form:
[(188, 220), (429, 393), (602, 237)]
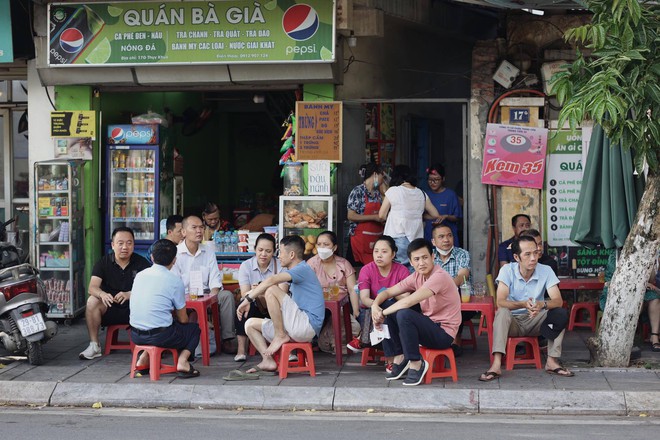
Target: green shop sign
[(6, 46), (194, 32)]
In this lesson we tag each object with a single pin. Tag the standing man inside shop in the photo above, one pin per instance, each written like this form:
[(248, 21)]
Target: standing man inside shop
[(110, 288), (519, 222), (193, 259), (445, 201)]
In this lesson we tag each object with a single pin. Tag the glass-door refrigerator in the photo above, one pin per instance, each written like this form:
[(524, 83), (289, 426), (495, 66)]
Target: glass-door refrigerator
[(133, 182)]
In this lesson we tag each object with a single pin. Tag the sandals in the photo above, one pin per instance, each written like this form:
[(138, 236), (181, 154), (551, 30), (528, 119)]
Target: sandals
[(489, 376), (560, 371), (655, 346), (188, 374)]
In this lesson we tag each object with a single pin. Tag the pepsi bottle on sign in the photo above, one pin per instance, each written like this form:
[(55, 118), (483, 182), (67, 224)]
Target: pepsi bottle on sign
[(72, 29)]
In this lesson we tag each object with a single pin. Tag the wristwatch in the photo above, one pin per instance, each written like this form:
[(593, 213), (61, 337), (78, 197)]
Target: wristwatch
[(545, 305), (250, 300)]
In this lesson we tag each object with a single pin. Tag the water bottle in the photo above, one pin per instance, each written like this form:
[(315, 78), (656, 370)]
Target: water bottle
[(218, 241), (226, 241), (234, 241)]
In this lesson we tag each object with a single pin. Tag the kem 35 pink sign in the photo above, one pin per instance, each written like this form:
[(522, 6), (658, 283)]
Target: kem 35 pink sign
[(514, 156)]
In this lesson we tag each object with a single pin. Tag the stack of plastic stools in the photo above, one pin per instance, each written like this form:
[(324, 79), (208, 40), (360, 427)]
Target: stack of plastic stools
[(156, 366), (112, 341), (532, 354), (590, 307), (371, 354), (305, 363), (436, 360)]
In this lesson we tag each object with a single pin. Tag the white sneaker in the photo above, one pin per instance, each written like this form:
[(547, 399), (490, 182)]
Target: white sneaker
[(293, 357), (240, 358), (91, 352)]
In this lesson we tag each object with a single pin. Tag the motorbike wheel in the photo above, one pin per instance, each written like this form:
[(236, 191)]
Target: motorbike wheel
[(35, 353)]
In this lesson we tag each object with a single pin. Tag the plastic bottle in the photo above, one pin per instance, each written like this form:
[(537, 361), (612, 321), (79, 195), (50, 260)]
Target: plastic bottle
[(129, 185), (234, 241)]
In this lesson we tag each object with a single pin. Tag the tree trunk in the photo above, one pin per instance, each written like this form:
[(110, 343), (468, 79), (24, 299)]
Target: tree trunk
[(612, 346)]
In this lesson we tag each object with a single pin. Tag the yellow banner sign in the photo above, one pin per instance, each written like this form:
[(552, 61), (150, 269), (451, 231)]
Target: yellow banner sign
[(68, 124)]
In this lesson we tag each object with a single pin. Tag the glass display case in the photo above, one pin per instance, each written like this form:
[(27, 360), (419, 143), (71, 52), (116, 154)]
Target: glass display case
[(307, 216), (59, 253)]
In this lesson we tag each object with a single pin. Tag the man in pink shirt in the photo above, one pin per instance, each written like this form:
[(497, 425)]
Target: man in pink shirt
[(434, 290)]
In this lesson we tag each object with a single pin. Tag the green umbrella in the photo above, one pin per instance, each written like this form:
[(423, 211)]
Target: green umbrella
[(608, 196)]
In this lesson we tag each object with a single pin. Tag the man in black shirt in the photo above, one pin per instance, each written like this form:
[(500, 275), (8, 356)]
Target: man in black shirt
[(110, 288)]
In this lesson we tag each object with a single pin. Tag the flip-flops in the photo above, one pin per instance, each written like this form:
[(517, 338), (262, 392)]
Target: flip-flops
[(236, 375), (260, 371), (558, 372), (144, 371), (489, 376), (188, 374)]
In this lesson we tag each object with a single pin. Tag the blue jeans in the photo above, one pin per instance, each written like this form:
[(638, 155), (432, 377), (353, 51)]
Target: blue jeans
[(408, 329), (402, 251)]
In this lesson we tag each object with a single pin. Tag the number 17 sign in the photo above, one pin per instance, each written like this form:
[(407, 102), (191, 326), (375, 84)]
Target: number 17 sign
[(514, 156)]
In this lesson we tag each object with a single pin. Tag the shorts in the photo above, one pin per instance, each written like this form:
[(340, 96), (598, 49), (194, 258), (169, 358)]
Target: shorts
[(116, 315), (296, 323)]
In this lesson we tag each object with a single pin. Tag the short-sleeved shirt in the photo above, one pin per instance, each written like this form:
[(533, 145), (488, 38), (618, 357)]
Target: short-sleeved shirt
[(504, 252), (114, 279), (156, 292), (356, 202), (541, 280), (249, 272), (370, 277), (405, 216), (203, 260), (343, 270), (307, 293), (458, 259), (444, 307), (446, 202)]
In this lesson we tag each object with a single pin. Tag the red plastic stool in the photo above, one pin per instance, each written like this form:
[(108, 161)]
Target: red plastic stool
[(371, 354), (436, 361), (590, 307), (112, 341), (305, 361), (252, 350), (473, 338), (156, 366), (482, 326), (532, 354)]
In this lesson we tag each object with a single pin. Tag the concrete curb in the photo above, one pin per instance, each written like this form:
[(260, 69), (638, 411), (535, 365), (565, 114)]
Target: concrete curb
[(420, 400)]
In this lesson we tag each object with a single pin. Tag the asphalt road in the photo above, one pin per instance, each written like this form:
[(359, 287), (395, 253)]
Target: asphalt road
[(89, 424)]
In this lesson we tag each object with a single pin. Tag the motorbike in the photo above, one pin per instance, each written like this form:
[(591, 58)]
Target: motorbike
[(23, 304)]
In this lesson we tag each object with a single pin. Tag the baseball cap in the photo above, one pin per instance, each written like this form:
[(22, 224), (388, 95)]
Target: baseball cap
[(555, 322)]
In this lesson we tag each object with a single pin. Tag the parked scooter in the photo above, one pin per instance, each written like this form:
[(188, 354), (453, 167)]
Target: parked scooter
[(23, 304)]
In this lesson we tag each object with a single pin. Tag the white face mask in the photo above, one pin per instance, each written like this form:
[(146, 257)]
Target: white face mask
[(324, 253), (445, 253)]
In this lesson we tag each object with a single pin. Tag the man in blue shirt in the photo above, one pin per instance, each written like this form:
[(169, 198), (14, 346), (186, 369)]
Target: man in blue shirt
[(523, 311), (298, 317), (156, 292)]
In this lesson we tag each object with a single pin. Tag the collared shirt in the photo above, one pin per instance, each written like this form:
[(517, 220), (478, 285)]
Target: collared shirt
[(156, 292), (114, 279), (249, 272), (204, 261), (356, 202), (541, 280), (458, 259), (504, 252)]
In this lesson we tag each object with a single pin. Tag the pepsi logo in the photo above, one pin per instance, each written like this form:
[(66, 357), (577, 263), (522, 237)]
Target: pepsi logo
[(72, 40), (117, 134), (300, 22)]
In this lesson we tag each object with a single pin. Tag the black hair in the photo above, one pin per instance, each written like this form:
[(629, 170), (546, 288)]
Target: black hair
[(171, 222), (514, 219), (332, 235), (368, 169), (390, 241), (531, 233), (210, 208), (294, 243), (267, 237), (419, 243), (515, 245), (403, 173), (441, 225), (438, 168), (163, 252), (122, 229)]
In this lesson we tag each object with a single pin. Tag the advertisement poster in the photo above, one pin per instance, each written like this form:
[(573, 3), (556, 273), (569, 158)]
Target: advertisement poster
[(318, 178), (318, 131), (73, 148), (514, 156), (67, 124), (195, 32), (6, 43), (563, 178)]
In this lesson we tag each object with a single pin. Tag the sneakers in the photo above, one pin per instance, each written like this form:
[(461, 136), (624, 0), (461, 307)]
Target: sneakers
[(388, 367), (398, 370), (293, 357), (415, 377), (91, 352), (240, 358), (355, 345)]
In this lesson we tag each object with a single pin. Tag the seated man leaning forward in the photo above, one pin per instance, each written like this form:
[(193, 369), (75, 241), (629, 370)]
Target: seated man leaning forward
[(110, 288), (156, 292), (434, 290), (523, 311), (298, 317)]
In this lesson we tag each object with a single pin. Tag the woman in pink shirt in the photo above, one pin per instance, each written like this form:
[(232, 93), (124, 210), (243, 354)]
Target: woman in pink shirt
[(434, 290)]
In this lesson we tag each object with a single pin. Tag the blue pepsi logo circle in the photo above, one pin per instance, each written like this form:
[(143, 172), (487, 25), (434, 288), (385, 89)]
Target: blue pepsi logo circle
[(72, 40), (117, 134), (300, 22)]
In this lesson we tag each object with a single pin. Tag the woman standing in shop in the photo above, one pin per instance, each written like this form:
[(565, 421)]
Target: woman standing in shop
[(364, 202), (212, 221), (403, 207), (445, 201), (252, 272)]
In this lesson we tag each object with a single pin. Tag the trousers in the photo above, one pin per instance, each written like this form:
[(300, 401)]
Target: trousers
[(506, 325)]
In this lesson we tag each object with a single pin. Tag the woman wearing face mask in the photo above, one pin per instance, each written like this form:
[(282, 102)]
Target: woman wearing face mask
[(212, 221), (364, 202), (332, 269), (252, 272)]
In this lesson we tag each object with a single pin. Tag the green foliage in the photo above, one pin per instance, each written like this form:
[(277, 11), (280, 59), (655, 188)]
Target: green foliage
[(614, 79)]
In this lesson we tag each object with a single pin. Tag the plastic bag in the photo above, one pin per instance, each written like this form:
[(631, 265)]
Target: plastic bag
[(150, 118)]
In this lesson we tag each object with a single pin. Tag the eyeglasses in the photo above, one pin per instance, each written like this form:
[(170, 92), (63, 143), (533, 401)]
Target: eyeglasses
[(435, 180)]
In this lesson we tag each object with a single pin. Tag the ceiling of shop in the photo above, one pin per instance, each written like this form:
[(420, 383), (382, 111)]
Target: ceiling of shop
[(529, 4)]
